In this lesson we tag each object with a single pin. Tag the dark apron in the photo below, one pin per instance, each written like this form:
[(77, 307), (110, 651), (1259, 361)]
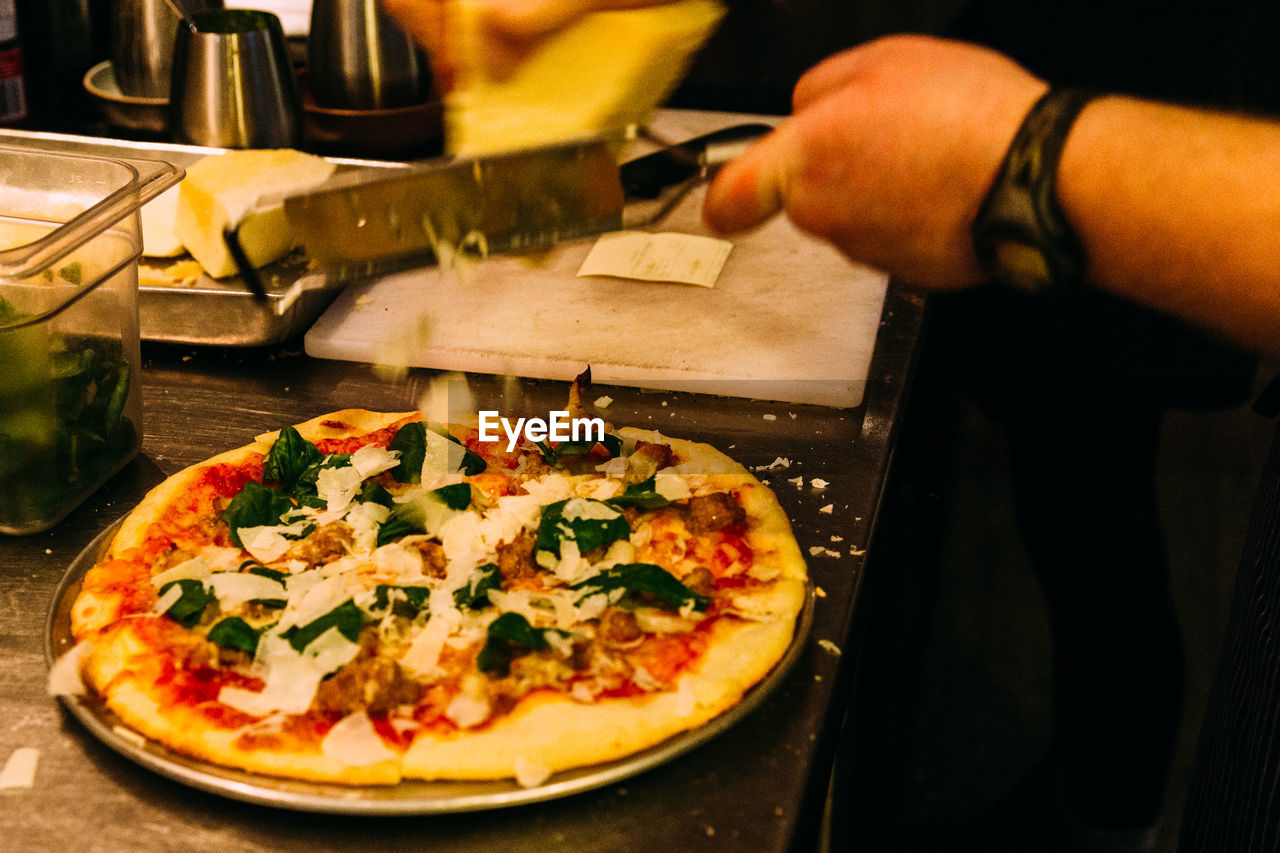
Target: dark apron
[(1234, 801)]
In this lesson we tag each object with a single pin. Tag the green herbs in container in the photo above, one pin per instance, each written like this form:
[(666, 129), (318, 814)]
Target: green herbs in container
[(70, 410)]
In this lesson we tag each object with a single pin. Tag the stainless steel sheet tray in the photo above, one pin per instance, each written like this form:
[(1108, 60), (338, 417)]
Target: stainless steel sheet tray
[(405, 798), (222, 311)]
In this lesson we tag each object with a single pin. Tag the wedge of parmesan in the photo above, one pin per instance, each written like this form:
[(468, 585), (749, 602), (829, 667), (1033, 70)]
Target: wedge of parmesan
[(601, 74), (244, 189), (159, 230)]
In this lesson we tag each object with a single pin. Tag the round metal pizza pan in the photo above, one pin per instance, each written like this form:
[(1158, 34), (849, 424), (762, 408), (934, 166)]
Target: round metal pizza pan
[(406, 798)]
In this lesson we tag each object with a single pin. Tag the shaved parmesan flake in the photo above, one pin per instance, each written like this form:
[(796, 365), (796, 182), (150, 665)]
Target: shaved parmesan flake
[(423, 655), (530, 774), (373, 459), (818, 483), (778, 462), (399, 562), (64, 675), (600, 489), (290, 680), (468, 711), (673, 487), (827, 509), (770, 417), (354, 742), (193, 569), (221, 559), (615, 467), (549, 488), (570, 567), (330, 650), (235, 588), (603, 402), (365, 519), (448, 398), (20, 770), (268, 543), (170, 598), (442, 457), (581, 509), (337, 486), (796, 481), (318, 599), (829, 647)]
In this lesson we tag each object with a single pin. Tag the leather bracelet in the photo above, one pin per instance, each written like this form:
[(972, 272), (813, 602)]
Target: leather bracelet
[(1021, 236)]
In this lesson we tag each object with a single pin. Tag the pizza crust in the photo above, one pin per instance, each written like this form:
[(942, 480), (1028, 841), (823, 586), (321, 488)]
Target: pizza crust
[(555, 732)]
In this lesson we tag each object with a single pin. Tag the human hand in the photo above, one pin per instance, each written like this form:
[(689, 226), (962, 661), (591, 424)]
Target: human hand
[(510, 29), (888, 154)]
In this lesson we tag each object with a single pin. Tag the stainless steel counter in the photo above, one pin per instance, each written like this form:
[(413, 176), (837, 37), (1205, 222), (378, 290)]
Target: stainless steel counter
[(760, 786)]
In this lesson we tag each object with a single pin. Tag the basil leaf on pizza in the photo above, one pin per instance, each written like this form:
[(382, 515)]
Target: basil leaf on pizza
[(346, 618), (363, 571), (643, 578), (586, 522), (290, 457), (256, 506), (235, 633), (643, 495), (189, 606), (509, 636), (475, 594)]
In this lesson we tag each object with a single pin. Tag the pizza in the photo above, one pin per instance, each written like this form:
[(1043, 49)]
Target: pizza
[(368, 597)]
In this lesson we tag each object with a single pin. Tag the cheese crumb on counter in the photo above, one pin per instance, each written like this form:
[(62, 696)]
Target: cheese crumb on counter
[(829, 647), (20, 770)]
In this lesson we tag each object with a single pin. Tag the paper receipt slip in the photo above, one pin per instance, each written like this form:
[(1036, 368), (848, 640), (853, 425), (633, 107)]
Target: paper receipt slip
[(681, 258)]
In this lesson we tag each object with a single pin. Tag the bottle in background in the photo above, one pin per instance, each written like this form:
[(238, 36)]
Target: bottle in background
[(13, 85)]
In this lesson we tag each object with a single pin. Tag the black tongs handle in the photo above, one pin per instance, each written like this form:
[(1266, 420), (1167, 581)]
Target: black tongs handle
[(648, 176), (248, 272)]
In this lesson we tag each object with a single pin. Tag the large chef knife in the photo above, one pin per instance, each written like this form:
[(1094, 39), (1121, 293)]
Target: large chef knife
[(372, 221), (375, 221)]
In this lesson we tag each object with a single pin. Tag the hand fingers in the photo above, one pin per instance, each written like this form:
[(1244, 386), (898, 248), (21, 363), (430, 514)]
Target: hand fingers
[(424, 22), (827, 76), (750, 189)]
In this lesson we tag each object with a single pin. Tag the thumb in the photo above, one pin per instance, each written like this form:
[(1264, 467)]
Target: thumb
[(749, 189)]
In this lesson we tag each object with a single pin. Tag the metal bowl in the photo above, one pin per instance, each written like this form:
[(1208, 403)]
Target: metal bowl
[(127, 111), (399, 133)]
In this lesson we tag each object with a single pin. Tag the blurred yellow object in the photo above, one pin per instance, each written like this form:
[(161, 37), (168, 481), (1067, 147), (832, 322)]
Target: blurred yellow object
[(603, 73)]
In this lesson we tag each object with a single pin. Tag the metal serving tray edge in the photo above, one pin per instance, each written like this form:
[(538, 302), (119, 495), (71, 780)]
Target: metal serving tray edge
[(220, 312), (409, 797)]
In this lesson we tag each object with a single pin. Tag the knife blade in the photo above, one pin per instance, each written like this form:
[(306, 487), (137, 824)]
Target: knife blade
[(365, 222)]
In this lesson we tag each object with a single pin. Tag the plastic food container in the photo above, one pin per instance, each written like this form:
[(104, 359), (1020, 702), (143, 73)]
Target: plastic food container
[(70, 408)]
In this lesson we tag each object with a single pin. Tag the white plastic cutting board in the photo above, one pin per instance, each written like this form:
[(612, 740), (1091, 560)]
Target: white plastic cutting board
[(790, 319)]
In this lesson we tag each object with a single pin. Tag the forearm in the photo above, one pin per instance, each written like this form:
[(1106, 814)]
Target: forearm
[(1180, 210)]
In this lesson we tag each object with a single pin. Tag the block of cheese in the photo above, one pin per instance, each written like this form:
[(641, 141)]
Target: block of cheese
[(604, 72), (159, 232), (245, 189)]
